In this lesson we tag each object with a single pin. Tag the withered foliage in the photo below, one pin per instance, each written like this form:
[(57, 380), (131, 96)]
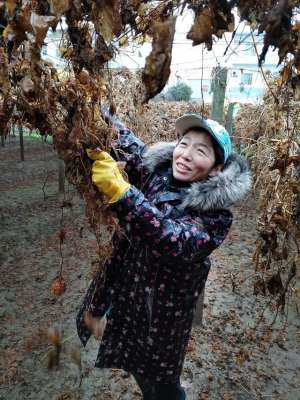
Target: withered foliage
[(271, 17), (54, 337), (277, 25), (211, 18), (67, 107), (153, 121), (271, 140), (157, 67)]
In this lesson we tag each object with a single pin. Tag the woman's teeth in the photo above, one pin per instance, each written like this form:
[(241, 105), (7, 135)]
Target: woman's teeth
[(181, 166)]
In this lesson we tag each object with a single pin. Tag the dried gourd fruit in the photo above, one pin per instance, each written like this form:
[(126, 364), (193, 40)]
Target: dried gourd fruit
[(58, 286)]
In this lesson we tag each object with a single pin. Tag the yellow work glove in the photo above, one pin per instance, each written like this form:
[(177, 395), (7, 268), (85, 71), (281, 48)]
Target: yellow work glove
[(107, 176)]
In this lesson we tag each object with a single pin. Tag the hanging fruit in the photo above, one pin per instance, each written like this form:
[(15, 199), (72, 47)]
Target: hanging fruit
[(58, 286)]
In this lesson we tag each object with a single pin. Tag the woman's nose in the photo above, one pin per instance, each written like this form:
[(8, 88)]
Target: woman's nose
[(187, 153)]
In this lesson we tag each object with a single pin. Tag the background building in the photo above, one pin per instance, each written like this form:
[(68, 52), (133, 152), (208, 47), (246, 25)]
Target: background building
[(195, 66)]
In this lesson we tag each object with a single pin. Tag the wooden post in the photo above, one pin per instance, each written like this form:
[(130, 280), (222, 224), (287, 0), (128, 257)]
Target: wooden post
[(229, 118), (293, 312), (219, 88), (198, 317), (61, 176), (21, 142)]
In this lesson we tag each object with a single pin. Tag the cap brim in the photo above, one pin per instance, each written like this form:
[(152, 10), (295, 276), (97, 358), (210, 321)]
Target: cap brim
[(186, 122)]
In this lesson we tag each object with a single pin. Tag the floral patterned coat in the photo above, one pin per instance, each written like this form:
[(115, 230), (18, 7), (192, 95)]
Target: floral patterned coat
[(160, 263)]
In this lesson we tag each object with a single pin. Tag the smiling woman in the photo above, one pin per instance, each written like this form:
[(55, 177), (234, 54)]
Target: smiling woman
[(194, 157), (218, 134), (174, 213)]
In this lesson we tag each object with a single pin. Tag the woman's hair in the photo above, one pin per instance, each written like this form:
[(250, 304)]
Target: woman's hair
[(217, 149)]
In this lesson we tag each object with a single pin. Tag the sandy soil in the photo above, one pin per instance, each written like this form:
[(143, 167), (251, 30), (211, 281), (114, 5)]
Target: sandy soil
[(230, 357)]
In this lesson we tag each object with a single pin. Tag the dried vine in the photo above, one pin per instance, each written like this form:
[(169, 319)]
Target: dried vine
[(272, 143), (68, 107)]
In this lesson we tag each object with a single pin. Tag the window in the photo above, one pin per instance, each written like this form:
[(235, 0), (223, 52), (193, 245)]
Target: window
[(246, 78)]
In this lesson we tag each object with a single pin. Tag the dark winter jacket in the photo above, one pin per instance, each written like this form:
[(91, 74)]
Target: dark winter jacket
[(160, 263)]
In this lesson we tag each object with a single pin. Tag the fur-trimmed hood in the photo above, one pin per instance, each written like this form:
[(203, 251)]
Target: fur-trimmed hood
[(220, 191)]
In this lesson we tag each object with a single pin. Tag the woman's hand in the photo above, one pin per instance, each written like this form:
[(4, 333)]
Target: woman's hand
[(106, 175)]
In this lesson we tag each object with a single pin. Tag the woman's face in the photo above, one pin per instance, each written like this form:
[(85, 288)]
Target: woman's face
[(194, 157)]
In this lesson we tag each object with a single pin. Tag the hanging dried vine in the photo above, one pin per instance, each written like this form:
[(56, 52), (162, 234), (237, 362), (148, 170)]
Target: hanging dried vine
[(272, 143), (68, 108)]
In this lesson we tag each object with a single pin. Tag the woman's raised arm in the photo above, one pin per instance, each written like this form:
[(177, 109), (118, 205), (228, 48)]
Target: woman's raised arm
[(128, 148)]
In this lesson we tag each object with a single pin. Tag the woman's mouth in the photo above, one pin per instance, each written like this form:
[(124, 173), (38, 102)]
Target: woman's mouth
[(182, 168)]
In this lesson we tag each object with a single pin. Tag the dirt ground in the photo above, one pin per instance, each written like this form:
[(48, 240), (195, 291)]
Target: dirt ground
[(231, 357)]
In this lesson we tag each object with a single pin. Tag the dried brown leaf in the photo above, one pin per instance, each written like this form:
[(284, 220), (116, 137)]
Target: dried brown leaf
[(76, 357), (53, 359), (4, 78), (59, 7), (202, 28), (95, 325), (274, 284), (157, 67), (107, 18), (40, 25), (277, 26), (212, 20), (10, 7), (286, 74)]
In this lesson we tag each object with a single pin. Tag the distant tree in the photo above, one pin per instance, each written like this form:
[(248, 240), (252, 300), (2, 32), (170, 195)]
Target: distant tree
[(180, 92)]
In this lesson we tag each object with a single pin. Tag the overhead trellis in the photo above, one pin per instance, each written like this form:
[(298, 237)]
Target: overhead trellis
[(33, 93)]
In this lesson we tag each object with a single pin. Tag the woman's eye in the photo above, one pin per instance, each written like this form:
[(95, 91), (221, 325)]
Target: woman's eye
[(201, 151), (182, 144)]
